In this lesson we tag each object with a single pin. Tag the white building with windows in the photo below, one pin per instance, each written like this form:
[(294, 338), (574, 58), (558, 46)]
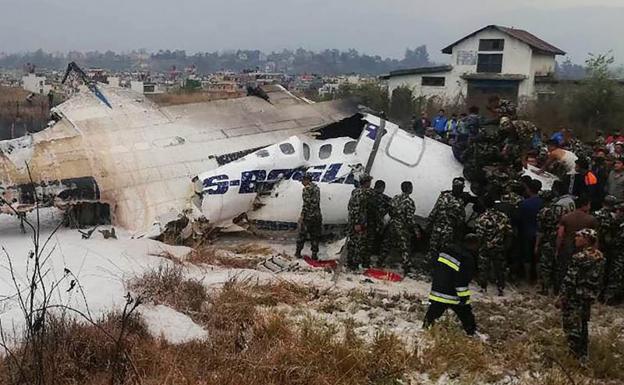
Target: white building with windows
[(494, 60), (36, 84)]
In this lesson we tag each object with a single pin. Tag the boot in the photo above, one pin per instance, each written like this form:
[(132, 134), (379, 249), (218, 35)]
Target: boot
[(314, 255), (298, 251)]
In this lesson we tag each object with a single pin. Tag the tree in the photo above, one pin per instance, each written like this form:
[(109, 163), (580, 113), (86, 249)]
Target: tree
[(598, 103), (372, 95)]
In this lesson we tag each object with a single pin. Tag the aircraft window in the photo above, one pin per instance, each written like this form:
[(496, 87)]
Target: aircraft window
[(287, 148), (306, 151), (325, 151), (349, 147), (262, 154)]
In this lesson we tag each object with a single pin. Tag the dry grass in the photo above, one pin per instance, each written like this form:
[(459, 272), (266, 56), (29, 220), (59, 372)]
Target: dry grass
[(251, 249), (212, 256), (167, 285), (252, 341), (245, 346), (78, 353)]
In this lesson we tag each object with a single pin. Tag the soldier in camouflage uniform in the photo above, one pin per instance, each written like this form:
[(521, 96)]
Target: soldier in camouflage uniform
[(493, 228), (380, 206), (574, 145), (580, 288), (614, 290), (402, 225), (520, 137), (311, 220), (607, 232), (358, 250), (545, 243), (446, 220)]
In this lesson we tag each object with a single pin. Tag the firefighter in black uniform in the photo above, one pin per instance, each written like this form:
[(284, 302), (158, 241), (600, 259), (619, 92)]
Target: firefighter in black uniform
[(453, 271)]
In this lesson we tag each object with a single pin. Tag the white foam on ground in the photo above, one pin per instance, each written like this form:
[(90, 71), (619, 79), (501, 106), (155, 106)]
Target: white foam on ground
[(172, 325)]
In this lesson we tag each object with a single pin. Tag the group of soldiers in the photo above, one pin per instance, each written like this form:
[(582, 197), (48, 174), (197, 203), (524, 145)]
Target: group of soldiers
[(494, 154)]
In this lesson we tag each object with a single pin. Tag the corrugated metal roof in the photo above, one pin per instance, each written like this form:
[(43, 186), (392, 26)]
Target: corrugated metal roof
[(535, 42)]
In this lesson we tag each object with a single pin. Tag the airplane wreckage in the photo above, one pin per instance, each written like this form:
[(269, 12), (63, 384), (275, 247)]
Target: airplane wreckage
[(143, 166)]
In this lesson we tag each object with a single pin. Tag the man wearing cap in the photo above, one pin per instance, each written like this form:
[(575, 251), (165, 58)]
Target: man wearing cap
[(453, 270), (580, 288), (446, 219), (493, 228), (380, 206), (608, 224), (401, 227), (614, 290), (569, 224), (615, 180), (358, 250), (311, 220), (547, 220)]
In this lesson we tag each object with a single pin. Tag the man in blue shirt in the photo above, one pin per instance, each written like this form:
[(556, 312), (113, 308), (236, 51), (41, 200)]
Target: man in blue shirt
[(527, 228), (439, 123)]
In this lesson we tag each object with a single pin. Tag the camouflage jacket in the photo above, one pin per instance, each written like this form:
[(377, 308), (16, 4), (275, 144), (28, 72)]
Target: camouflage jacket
[(547, 222), (448, 210), (578, 148), (607, 226), (360, 206), (311, 202), (380, 206), (512, 198), (584, 275), (402, 209), (493, 227), (525, 132), (618, 241)]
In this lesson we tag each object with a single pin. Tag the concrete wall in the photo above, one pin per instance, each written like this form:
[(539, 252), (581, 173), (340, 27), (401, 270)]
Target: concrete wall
[(449, 94)]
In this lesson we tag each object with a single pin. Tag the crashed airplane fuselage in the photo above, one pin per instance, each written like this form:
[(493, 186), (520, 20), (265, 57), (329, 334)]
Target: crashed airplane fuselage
[(266, 184), (139, 158)]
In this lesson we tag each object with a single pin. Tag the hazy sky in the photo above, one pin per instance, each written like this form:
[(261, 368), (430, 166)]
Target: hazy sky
[(384, 27)]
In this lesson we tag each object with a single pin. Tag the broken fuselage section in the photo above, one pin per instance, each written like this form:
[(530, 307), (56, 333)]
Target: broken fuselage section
[(137, 158)]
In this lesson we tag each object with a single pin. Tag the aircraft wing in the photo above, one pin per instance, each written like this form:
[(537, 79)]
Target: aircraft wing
[(139, 157)]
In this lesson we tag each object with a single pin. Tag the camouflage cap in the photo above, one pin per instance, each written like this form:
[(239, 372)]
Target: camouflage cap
[(306, 176), (590, 234)]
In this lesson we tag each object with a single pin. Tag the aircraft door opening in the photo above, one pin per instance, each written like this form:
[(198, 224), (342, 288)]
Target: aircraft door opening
[(405, 148)]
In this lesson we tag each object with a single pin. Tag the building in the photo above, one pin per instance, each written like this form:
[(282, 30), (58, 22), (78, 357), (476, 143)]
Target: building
[(494, 60), (36, 84), (145, 87)]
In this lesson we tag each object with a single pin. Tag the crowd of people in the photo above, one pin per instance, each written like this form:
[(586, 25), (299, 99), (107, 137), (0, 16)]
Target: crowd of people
[(569, 239)]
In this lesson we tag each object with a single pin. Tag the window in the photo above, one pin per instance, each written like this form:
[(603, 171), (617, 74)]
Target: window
[(262, 154), (306, 151), (491, 44), (287, 148), (325, 151), (490, 63), (435, 81), (349, 147)]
